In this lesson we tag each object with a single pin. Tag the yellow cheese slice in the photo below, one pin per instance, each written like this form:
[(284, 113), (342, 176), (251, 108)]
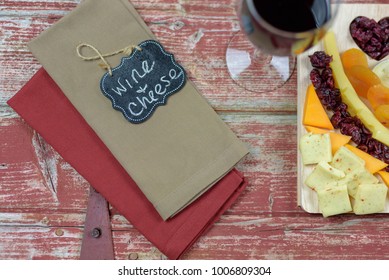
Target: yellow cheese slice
[(372, 164), (385, 177), (349, 96), (337, 140), (314, 113)]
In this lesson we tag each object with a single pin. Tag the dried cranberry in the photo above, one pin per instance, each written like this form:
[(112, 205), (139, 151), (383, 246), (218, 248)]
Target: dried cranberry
[(384, 52), (346, 128), (384, 23), (329, 97), (342, 108), (363, 147), (370, 36), (320, 59), (364, 138), (371, 145), (366, 131), (356, 136), (328, 77), (316, 78), (379, 148), (336, 119)]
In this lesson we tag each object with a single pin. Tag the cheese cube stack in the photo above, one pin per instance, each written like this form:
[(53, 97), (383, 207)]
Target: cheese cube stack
[(336, 179), (358, 177), (370, 198), (315, 148), (334, 200)]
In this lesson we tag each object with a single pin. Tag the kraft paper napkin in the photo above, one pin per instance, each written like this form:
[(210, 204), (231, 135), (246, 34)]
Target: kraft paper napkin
[(177, 154), (42, 105)]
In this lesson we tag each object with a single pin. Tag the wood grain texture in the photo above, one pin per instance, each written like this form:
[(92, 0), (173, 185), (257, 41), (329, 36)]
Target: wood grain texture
[(43, 199)]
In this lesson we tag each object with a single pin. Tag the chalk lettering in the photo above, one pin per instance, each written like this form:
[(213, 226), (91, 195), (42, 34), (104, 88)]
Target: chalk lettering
[(144, 101), (119, 90), (143, 81), (132, 104), (128, 83), (158, 89), (163, 79), (142, 90), (173, 74), (146, 70)]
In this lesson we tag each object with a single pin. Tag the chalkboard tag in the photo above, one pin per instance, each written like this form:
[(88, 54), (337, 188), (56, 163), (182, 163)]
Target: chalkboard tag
[(143, 81)]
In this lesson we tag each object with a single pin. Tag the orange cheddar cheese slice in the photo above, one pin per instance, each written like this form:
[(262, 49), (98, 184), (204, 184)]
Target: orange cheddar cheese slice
[(337, 140), (314, 113), (385, 177), (373, 165)]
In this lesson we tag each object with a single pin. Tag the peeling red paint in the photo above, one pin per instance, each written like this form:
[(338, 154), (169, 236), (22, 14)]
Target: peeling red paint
[(265, 222)]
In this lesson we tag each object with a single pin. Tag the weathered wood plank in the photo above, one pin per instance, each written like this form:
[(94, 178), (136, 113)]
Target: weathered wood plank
[(260, 214), (304, 237), (32, 174), (233, 237), (43, 199), (270, 166), (39, 243), (33, 171)]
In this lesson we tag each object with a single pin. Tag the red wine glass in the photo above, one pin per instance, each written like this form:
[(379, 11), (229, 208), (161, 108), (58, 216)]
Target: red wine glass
[(262, 56)]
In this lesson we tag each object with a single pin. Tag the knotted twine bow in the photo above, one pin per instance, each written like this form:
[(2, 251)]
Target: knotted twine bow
[(105, 65)]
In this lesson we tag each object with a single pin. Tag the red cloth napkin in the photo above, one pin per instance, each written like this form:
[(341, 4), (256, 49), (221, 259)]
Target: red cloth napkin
[(42, 105)]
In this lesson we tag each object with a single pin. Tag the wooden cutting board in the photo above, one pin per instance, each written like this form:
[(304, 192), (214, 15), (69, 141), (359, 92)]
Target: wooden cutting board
[(307, 198)]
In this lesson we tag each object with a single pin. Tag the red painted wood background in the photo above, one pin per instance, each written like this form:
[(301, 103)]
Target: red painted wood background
[(43, 199)]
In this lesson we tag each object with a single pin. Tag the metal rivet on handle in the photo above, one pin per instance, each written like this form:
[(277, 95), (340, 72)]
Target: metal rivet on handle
[(96, 232), (133, 256)]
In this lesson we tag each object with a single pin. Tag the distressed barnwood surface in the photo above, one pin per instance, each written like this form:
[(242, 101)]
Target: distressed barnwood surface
[(43, 199)]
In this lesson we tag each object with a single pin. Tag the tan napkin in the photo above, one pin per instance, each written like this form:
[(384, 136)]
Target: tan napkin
[(174, 156)]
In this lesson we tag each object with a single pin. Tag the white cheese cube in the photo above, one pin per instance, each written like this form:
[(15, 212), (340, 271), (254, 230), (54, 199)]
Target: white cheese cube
[(346, 160), (315, 148), (358, 177), (370, 198), (323, 175), (334, 200)]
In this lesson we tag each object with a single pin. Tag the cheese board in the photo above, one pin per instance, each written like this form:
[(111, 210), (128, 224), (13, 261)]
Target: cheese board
[(307, 198)]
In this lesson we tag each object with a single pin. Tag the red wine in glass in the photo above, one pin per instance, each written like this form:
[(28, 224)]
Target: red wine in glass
[(278, 31)]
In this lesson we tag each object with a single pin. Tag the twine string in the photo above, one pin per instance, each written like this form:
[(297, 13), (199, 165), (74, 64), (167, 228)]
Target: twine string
[(105, 65)]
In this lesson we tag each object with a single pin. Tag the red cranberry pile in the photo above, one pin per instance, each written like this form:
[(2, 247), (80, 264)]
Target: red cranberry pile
[(371, 36), (330, 97)]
